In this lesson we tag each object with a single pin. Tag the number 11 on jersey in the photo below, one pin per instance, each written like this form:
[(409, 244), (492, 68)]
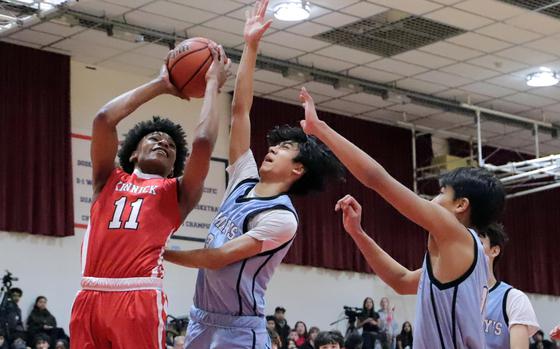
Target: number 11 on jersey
[(132, 222)]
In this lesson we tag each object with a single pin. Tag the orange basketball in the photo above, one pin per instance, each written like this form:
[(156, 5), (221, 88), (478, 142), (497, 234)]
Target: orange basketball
[(187, 65)]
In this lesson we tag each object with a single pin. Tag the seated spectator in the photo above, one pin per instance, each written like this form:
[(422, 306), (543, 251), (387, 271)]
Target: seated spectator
[(274, 338), (329, 340), (301, 331), (404, 340), (62, 344), (369, 322), (10, 317), (41, 321), (354, 341), (282, 327), (311, 336), (178, 342), (41, 341), (291, 344), (540, 342), (271, 323)]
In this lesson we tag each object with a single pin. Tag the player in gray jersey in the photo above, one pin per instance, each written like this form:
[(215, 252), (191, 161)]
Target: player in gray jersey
[(510, 319), (256, 222), (451, 285)]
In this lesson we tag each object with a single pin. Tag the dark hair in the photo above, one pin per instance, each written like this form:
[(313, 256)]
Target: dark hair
[(304, 328), (280, 310), (484, 190), (354, 341), (274, 337), (496, 234), (40, 337), (329, 337), (143, 128), (368, 312), (318, 161), (38, 299), (406, 336), (16, 290), (270, 318), (64, 342)]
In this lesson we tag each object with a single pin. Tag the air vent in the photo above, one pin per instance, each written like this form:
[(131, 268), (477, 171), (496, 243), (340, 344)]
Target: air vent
[(548, 7), (390, 33)]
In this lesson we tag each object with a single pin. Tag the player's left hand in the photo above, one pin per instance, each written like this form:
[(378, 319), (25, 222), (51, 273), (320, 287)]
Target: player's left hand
[(555, 333), (168, 87), (351, 214), (311, 122), (255, 26)]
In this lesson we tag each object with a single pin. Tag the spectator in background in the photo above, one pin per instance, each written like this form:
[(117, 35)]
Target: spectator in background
[(3, 340), (271, 323), (329, 340), (282, 327), (11, 320), (63, 344), (388, 329), (41, 321), (540, 342), (354, 341), (404, 340), (178, 342), (275, 340), (301, 330), (369, 322), (291, 344), (41, 341), (311, 336)]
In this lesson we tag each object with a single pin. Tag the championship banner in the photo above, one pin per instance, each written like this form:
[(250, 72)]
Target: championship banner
[(194, 228)]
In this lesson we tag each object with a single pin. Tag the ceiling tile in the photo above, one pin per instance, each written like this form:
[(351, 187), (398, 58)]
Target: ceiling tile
[(151, 20), (510, 81), (526, 55), (323, 62), (470, 71), (458, 18), (334, 4), (497, 63), (179, 12), (442, 78), (530, 99), (420, 86), (432, 123), (368, 99), (326, 90), (348, 54), (226, 24), (416, 7), (77, 47), (548, 45), (508, 33), (492, 9), (479, 42), (373, 74), (551, 91), (220, 37), (505, 106), (92, 36), (554, 108), (277, 51), (58, 29), (462, 96), (335, 19), (152, 50), (414, 109), (536, 22), (449, 50), (390, 65), (220, 7), (145, 62), (276, 78), (100, 8), (308, 29), (391, 116), (363, 9), (35, 37), (424, 59), (488, 89), (263, 87), (295, 41), (129, 3), (291, 95), (347, 108)]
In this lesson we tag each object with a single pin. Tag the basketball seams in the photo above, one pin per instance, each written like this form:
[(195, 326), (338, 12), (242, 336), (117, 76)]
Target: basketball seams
[(183, 56), (200, 68)]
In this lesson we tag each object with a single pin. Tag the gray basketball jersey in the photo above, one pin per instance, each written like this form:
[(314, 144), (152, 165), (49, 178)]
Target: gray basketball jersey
[(239, 288), (451, 315), (496, 323)]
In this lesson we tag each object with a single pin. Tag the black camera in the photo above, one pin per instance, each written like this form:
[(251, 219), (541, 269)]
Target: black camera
[(7, 280), (353, 313)]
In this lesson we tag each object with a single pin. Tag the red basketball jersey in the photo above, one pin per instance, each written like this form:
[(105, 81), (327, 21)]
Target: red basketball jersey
[(130, 223)]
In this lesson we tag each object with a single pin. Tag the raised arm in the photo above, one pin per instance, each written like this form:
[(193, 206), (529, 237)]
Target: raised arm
[(206, 132), (240, 134), (104, 143), (441, 223), (402, 280)]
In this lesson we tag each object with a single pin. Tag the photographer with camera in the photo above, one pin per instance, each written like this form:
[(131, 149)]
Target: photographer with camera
[(11, 323), (369, 322)]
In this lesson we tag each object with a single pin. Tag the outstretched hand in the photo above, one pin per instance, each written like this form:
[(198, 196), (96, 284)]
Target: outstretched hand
[(255, 25), (311, 122), (351, 214), (219, 70)]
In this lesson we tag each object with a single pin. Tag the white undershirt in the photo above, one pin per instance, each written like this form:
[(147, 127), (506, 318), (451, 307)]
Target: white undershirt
[(520, 311), (274, 227)]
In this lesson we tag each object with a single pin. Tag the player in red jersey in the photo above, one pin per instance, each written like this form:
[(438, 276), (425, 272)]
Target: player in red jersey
[(135, 209)]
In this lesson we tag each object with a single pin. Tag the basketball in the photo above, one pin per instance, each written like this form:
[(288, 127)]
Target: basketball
[(187, 65)]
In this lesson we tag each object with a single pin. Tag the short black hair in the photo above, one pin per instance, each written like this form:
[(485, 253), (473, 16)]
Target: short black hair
[(280, 310), (40, 337), (270, 318), (498, 237), (143, 128), (354, 341), (329, 337), (318, 161), (484, 190), (16, 290)]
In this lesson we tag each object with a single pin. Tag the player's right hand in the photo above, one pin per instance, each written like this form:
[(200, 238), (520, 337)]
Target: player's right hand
[(255, 26), (168, 87), (351, 214)]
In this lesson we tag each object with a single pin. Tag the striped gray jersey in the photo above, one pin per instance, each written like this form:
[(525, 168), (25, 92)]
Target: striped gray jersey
[(450, 315)]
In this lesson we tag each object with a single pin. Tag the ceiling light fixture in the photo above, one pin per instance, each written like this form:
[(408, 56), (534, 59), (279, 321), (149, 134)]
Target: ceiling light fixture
[(544, 77), (292, 10)]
